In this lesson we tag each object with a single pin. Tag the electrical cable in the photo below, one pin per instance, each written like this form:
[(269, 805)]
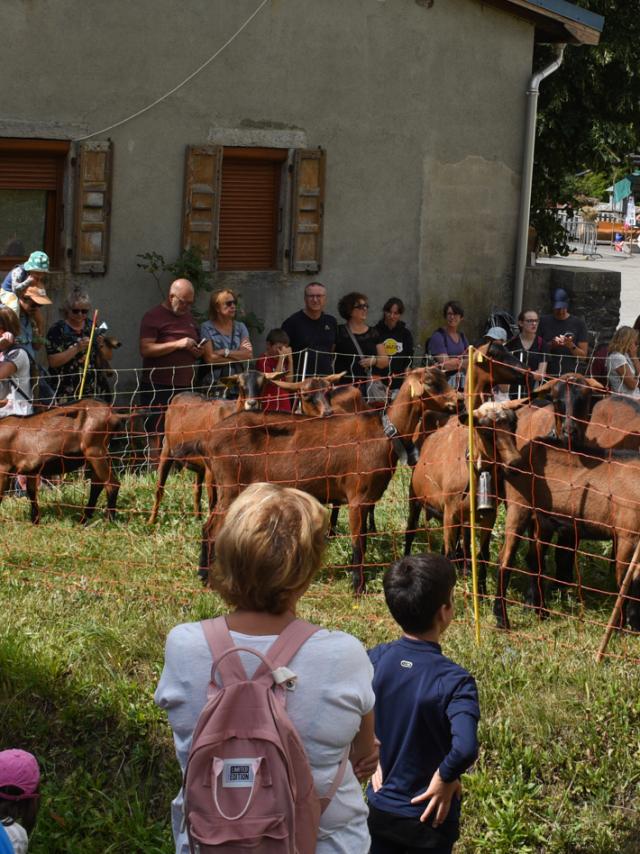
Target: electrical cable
[(180, 85)]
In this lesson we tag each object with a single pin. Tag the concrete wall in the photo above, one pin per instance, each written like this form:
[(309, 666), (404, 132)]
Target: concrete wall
[(420, 110), (594, 295)]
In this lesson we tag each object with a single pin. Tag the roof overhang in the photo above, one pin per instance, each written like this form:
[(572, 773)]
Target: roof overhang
[(556, 20)]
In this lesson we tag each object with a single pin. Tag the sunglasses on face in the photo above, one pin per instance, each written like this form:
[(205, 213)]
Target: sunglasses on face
[(79, 311), (361, 305), (231, 302)]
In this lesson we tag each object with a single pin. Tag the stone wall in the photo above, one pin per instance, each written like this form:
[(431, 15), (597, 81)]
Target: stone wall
[(594, 295)]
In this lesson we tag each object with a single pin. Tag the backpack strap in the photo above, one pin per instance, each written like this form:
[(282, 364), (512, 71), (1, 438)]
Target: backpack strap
[(219, 639), (287, 644)]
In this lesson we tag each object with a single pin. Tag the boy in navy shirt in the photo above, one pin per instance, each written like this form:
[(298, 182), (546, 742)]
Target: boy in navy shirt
[(426, 714)]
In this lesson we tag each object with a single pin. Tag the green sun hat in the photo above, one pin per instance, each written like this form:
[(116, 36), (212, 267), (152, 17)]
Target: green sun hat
[(37, 262)]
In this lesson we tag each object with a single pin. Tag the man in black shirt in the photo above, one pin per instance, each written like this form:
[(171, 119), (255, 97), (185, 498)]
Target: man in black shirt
[(313, 331), (565, 336)]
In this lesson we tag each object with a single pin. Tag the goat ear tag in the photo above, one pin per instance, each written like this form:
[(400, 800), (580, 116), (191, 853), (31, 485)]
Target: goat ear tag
[(479, 357)]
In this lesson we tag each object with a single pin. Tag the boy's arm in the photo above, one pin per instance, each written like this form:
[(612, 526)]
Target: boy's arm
[(463, 711), (364, 749)]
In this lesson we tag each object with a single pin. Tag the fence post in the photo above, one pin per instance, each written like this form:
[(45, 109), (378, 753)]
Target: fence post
[(88, 354), (469, 398), (614, 619)]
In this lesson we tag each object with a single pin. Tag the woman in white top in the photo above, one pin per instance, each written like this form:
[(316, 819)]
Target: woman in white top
[(15, 368), (623, 367), (268, 551)]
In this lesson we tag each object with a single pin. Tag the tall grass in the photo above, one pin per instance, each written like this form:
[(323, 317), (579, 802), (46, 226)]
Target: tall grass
[(86, 612)]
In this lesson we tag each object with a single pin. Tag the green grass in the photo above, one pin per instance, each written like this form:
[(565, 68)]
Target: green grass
[(86, 612)]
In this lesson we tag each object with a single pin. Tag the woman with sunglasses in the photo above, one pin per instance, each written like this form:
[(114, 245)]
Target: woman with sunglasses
[(67, 344), (359, 347), (227, 348)]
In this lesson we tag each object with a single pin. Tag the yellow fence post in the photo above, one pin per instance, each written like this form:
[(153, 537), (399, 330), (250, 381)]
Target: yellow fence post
[(88, 354), (472, 490)]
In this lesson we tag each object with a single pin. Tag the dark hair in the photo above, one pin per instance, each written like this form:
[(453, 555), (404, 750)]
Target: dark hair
[(393, 301), (416, 587), (526, 311), (636, 325), (455, 306), (24, 811), (278, 336), (347, 303), (9, 321)]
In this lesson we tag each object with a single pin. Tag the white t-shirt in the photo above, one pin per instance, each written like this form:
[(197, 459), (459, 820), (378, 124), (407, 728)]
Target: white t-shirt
[(333, 693), (17, 837), (617, 360), (17, 403)]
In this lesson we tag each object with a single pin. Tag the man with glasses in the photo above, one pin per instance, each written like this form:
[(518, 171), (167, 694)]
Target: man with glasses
[(312, 333), (170, 348)]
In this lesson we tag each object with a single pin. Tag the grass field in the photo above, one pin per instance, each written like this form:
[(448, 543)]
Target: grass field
[(86, 612)]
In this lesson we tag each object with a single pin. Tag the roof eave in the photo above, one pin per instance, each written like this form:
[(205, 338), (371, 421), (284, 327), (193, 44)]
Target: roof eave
[(556, 20)]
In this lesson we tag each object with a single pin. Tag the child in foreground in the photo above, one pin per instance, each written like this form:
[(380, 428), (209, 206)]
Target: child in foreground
[(19, 785), (426, 716)]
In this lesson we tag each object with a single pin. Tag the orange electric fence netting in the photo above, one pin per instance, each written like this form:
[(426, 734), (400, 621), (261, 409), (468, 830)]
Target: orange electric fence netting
[(559, 471)]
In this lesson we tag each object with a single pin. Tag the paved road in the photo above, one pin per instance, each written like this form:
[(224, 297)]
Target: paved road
[(628, 265)]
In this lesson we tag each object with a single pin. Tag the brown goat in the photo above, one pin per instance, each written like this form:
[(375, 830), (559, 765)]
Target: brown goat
[(347, 459), (58, 441), (558, 487), (615, 423), (190, 417)]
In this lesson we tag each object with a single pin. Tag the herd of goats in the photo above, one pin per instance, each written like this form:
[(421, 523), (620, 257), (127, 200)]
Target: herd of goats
[(564, 462)]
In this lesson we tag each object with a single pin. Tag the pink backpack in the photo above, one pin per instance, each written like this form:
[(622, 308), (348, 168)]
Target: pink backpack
[(248, 783)]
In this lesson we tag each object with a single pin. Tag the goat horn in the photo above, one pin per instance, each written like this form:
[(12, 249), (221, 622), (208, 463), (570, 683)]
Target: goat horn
[(271, 377), (334, 378), (545, 387), (286, 385), (594, 384)]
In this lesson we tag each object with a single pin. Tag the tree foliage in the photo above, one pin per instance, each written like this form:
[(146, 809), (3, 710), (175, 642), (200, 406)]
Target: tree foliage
[(589, 110)]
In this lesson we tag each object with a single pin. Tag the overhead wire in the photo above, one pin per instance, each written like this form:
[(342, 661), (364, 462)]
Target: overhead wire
[(180, 85)]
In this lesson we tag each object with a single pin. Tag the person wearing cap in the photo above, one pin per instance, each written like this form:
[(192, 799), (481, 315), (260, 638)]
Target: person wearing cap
[(36, 265), (26, 300), (499, 335), (565, 336), (19, 798)]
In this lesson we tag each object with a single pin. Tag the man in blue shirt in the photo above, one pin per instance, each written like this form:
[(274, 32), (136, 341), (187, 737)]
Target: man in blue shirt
[(426, 716)]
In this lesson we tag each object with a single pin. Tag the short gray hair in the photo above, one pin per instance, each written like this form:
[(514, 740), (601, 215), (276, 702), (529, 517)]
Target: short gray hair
[(77, 295)]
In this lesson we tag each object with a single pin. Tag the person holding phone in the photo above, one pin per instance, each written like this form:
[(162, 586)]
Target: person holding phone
[(169, 347), (227, 347), (565, 336)]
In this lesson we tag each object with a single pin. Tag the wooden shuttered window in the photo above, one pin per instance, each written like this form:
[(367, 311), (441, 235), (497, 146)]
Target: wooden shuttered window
[(307, 211), (94, 167), (201, 211), (233, 207)]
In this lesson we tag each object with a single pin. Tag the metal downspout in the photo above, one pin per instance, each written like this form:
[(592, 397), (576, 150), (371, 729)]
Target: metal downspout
[(527, 176)]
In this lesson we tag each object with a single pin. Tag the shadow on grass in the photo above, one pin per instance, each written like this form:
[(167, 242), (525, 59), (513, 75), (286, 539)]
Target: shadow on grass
[(109, 771)]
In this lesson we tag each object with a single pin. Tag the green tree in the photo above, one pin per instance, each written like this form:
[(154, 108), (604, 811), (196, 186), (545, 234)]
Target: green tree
[(588, 111)]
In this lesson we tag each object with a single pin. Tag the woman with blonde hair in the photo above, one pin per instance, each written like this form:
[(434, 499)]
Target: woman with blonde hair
[(267, 553), (227, 346), (623, 367)]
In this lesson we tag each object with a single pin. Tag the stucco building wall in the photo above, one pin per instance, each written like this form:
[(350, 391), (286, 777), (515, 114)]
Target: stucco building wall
[(420, 111)]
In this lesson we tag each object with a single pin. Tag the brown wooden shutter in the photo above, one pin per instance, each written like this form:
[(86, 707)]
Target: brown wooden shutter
[(307, 211), (92, 207), (201, 213)]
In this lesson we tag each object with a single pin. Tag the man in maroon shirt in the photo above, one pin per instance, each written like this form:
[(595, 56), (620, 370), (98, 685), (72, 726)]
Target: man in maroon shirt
[(169, 347)]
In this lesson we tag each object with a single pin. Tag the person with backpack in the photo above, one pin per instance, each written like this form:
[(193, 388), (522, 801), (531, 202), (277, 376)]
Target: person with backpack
[(15, 368), (271, 716)]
